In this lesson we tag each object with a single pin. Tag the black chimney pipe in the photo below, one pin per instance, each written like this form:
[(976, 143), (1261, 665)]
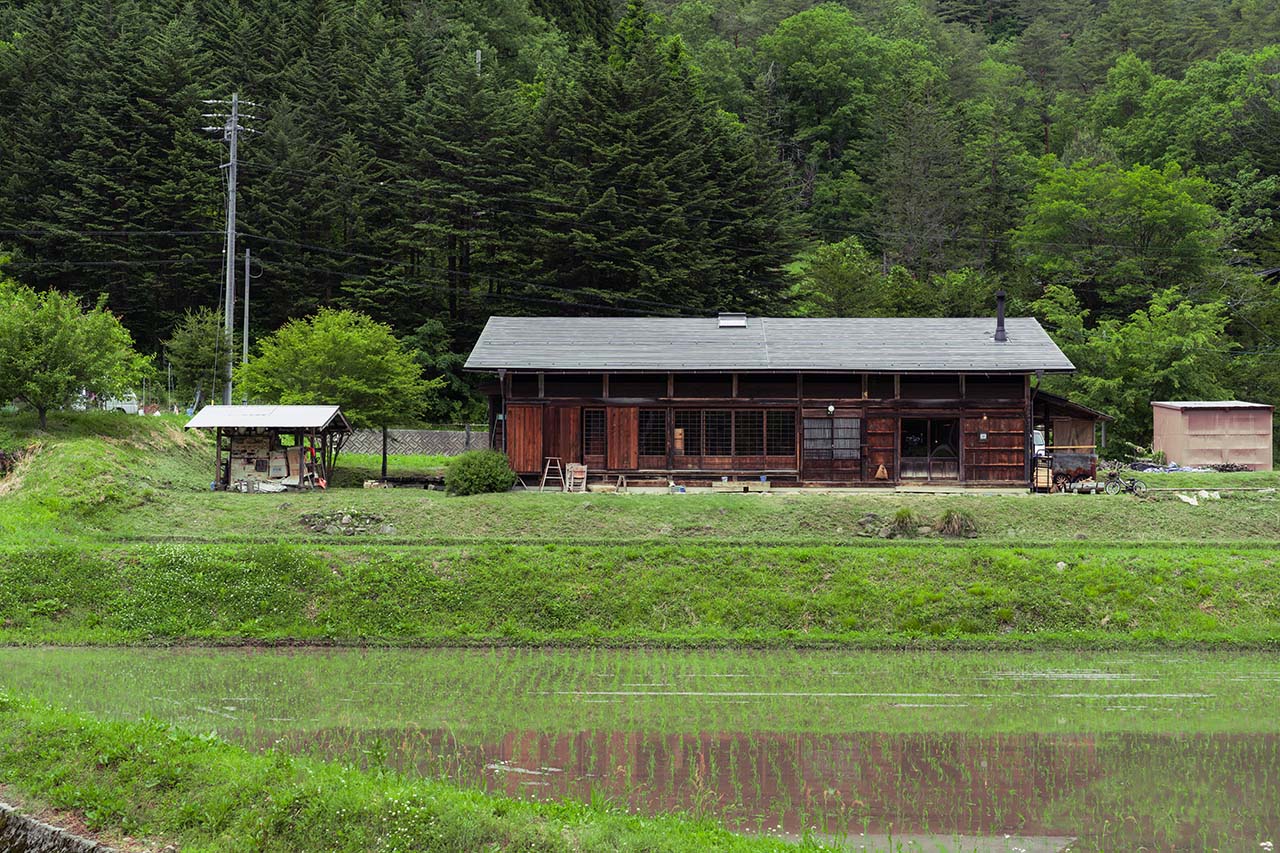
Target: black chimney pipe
[(1000, 335)]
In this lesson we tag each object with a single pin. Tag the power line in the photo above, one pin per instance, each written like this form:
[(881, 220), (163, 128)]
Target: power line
[(406, 185), (408, 189), (499, 297), (98, 232), (474, 275), (111, 263)]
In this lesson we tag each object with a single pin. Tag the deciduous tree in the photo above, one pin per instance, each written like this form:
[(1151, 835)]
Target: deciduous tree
[(340, 358), (52, 350)]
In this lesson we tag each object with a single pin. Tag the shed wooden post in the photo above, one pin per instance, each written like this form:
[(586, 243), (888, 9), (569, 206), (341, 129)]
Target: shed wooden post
[(384, 448), (217, 457)]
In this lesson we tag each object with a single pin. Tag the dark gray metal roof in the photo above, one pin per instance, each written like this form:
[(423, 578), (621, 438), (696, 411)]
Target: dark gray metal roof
[(903, 345)]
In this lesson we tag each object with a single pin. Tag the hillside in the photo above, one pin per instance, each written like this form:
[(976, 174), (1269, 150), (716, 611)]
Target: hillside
[(1111, 165)]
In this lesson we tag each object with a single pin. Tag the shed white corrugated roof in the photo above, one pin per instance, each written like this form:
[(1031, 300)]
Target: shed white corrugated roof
[(876, 344), (268, 417), (1208, 404)]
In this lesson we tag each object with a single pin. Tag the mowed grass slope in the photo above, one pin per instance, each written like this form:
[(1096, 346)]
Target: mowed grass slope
[(110, 535), (112, 477), (676, 595)]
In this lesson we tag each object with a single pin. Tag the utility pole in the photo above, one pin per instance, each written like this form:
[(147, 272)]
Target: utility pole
[(231, 130), (244, 353)]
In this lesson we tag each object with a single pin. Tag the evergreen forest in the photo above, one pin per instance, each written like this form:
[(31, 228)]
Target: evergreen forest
[(1114, 165)]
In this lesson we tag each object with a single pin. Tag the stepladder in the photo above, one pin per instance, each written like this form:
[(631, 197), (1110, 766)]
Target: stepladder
[(552, 473)]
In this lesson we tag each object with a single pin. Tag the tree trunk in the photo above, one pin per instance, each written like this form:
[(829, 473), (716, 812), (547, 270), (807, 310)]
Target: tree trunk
[(43, 412)]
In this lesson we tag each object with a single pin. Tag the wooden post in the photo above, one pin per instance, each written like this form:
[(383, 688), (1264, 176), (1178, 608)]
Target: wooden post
[(384, 447), (217, 457)]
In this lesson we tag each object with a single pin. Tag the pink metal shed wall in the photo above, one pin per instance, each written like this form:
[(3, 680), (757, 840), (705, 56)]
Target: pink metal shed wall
[(1206, 436), (1168, 435)]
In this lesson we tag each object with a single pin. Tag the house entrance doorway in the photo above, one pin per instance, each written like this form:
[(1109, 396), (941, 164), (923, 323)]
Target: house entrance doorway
[(930, 449)]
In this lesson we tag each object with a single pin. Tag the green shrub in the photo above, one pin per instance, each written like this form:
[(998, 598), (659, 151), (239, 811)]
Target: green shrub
[(477, 472)]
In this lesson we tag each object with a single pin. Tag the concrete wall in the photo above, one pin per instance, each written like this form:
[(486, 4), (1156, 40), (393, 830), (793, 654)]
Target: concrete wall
[(21, 833)]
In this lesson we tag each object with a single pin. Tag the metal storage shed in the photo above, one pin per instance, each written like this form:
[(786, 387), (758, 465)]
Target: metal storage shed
[(1213, 432)]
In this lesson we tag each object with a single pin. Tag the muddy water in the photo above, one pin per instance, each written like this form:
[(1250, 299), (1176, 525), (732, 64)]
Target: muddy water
[(966, 751)]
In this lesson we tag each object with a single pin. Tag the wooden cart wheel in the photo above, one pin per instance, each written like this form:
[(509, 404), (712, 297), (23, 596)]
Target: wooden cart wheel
[(1061, 482)]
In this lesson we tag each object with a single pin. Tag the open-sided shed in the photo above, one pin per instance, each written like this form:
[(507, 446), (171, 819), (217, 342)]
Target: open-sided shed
[(1213, 432), (251, 446), (1073, 433)]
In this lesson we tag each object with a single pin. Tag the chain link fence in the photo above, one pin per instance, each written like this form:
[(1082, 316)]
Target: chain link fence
[(449, 440)]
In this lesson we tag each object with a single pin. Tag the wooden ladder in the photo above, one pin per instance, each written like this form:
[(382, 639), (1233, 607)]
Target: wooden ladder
[(552, 472)]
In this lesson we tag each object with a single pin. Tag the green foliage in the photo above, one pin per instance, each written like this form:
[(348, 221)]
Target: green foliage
[(478, 472), (52, 350), (340, 358), (843, 280), (198, 351), (684, 593), (649, 158), (1116, 237), (905, 522), (1173, 350), (457, 400)]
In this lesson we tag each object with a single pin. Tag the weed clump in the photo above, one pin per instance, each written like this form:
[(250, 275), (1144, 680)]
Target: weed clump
[(905, 522), (957, 524), (478, 472)]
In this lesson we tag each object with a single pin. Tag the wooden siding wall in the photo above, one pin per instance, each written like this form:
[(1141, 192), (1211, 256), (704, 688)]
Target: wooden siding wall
[(551, 425), (1000, 458), (881, 442), (524, 438), (622, 431), (563, 432)]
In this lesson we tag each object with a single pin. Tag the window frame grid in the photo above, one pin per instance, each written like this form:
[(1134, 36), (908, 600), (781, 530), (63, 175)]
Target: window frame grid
[(651, 435), (592, 432)]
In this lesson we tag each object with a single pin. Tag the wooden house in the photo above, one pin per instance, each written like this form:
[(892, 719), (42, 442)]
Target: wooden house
[(847, 401), (273, 447)]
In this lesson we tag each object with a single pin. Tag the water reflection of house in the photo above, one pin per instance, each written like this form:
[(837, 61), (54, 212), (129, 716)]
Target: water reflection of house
[(1180, 791), (918, 783)]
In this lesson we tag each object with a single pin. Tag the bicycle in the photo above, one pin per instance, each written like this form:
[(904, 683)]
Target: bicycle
[(1117, 484)]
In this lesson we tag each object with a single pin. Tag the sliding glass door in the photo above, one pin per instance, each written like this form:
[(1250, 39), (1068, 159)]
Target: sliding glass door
[(930, 449)]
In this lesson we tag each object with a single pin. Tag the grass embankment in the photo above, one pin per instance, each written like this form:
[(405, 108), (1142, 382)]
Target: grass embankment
[(113, 478), (82, 560), (151, 780), (891, 596)]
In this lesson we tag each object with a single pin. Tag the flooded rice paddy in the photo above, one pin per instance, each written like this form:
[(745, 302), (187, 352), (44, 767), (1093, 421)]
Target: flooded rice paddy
[(953, 751)]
